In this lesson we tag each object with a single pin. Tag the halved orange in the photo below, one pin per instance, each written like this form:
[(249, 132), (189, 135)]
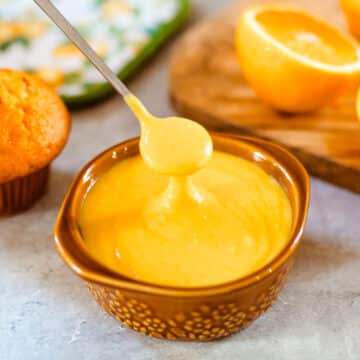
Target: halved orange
[(294, 61)]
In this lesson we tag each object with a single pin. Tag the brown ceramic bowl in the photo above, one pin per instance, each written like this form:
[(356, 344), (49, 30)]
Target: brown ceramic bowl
[(185, 313)]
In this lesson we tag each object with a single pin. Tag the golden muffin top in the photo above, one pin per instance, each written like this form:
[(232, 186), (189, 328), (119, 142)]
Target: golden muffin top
[(34, 124)]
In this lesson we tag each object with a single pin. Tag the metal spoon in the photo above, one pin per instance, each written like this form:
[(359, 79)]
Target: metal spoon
[(191, 141)]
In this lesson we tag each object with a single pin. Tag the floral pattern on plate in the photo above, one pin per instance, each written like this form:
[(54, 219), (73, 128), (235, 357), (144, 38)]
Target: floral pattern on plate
[(117, 29)]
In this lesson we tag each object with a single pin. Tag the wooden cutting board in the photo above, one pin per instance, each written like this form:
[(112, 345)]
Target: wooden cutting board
[(206, 85)]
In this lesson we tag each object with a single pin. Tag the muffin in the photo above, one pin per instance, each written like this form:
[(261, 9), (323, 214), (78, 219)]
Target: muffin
[(34, 127)]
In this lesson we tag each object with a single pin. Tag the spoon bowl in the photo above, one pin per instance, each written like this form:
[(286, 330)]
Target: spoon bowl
[(167, 148)]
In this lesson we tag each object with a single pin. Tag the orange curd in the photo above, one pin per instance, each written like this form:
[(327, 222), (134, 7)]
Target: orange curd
[(181, 214)]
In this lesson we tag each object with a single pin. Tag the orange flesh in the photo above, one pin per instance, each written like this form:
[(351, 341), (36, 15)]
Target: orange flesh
[(307, 37)]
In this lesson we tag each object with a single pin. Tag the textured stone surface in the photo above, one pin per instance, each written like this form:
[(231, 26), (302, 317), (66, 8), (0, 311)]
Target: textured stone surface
[(46, 312)]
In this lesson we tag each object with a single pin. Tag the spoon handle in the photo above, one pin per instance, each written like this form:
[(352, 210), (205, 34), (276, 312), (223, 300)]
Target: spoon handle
[(55, 15)]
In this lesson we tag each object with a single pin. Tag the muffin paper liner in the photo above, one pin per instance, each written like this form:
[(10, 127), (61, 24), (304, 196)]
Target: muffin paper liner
[(21, 193)]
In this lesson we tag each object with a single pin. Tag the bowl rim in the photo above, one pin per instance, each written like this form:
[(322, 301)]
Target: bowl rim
[(103, 275)]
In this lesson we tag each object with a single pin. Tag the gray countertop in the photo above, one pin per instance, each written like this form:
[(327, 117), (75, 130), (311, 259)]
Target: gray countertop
[(46, 313)]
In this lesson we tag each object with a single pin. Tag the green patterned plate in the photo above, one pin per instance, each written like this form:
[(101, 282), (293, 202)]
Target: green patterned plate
[(124, 32)]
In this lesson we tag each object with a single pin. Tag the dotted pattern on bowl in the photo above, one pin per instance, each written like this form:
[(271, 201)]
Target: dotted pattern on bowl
[(204, 322)]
